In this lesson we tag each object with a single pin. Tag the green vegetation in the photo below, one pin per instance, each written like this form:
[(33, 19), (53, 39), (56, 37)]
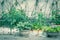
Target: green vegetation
[(50, 29), (24, 26), (17, 18), (12, 18)]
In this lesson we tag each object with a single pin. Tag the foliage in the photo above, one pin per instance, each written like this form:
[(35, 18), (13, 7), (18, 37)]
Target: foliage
[(24, 26), (55, 17), (13, 17), (50, 29), (3, 19), (38, 22), (18, 15), (41, 19), (36, 26)]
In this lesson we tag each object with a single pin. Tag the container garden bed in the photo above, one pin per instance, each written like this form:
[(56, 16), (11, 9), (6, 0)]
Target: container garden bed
[(24, 33), (24, 28), (52, 32)]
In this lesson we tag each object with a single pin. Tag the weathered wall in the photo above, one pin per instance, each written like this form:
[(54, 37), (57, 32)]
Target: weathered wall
[(28, 6)]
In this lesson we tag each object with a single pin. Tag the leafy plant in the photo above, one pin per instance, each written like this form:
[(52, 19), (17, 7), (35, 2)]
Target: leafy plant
[(38, 21), (24, 26), (36, 26), (50, 29), (13, 17)]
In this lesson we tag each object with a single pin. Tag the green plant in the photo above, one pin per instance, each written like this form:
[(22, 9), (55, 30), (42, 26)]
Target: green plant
[(24, 26), (38, 21), (50, 29), (13, 17), (58, 28), (36, 26)]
